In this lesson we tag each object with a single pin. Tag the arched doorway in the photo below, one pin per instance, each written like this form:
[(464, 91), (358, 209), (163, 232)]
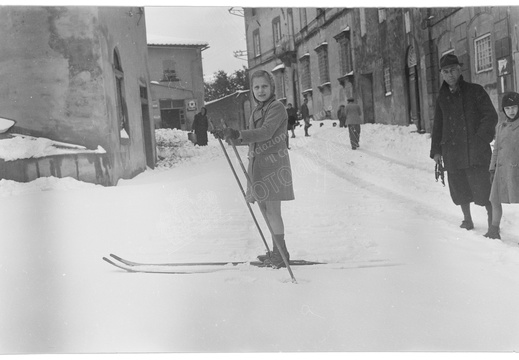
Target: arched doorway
[(414, 89)]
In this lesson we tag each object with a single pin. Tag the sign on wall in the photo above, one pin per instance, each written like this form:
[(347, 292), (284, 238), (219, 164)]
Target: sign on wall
[(191, 105)]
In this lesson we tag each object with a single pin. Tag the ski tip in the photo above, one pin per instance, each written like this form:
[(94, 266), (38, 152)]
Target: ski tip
[(117, 265)]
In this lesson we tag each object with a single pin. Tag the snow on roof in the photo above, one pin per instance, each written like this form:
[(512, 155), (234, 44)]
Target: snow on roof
[(324, 43), (169, 40), (26, 147), (226, 96), (279, 67)]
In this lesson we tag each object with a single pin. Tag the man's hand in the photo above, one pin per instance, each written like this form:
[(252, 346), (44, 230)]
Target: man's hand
[(437, 158)]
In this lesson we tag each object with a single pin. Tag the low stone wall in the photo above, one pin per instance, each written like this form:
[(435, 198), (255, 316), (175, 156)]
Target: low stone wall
[(87, 167)]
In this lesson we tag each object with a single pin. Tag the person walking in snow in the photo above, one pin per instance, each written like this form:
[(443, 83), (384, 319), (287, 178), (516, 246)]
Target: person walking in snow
[(269, 164), (464, 127), (200, 126), (353, 116), (292, 118), (341, 115), (504, 170), (305, 114)]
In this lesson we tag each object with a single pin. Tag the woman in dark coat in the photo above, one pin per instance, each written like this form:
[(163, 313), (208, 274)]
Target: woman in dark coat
[(200, 126), (269, 163)]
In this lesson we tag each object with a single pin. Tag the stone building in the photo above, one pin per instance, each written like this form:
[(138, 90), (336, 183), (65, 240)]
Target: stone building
[(78, 75), (385, 58), (484, 38), (177, 77)]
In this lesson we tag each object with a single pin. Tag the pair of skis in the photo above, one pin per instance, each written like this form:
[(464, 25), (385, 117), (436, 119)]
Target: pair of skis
[(188, 268), (154, 268)]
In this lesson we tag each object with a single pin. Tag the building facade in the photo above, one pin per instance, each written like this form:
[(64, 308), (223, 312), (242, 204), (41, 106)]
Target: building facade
[(385, 58), (79, 75), (177, 81)]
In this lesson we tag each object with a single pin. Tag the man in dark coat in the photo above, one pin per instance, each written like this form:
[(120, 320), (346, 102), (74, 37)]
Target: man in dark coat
[(305, 114), (464, 127), (200, 126)]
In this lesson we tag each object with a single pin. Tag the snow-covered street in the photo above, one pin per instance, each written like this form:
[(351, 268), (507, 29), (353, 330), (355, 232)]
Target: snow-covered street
[(400, 274)]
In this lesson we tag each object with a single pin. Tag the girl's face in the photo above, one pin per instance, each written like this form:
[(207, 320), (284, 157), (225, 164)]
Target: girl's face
[(511, 111), (261, 88)]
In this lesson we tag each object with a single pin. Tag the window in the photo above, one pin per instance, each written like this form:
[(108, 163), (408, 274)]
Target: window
[(322, 56), (387, 80), (362, 15), (407, 19), (381, 15), (483, 53), (306, 81), (169, 72), (345, 57), (279, 79), (120, 105), (256, 42), (276, 30), (302, 17)]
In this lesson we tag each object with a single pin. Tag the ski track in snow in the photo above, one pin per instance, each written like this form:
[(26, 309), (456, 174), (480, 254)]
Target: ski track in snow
[(384, 188)]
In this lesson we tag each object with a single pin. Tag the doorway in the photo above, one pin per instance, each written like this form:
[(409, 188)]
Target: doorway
[(414, 89), (366, 90), (170, 118)]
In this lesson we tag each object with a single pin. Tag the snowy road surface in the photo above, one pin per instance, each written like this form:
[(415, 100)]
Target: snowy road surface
[(400, 274)]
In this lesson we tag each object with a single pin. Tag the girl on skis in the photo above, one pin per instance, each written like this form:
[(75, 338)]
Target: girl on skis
[(269, 164), (504, 167)]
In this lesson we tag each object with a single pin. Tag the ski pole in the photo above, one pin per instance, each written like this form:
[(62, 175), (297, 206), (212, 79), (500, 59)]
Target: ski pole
[(243, 192), (285, 260)]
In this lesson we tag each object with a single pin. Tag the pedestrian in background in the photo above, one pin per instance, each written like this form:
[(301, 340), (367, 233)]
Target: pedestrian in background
[(292, 118), (200, 126), (305, 113), (464, 126), (353, 115), (504, 166), (341, 115)]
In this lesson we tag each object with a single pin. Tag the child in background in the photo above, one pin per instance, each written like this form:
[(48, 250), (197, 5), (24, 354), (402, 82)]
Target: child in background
[(504, 167)]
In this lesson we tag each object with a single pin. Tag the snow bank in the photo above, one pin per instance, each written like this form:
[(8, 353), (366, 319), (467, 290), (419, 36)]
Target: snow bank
[(9, 187), (174, 148)]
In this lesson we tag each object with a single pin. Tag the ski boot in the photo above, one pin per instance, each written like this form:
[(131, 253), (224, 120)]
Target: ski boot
[(276, 260), (493, 232)]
